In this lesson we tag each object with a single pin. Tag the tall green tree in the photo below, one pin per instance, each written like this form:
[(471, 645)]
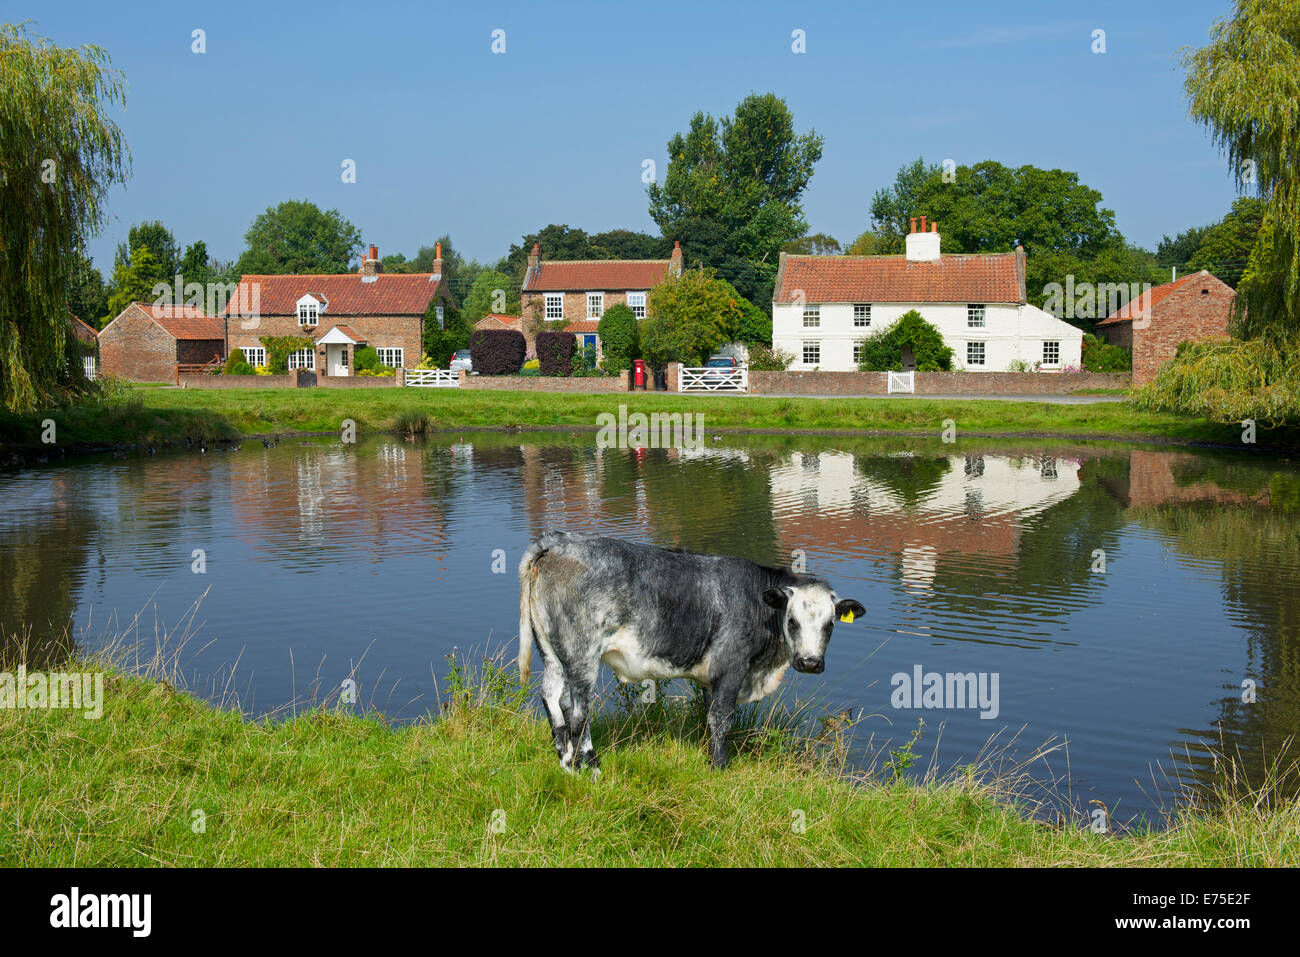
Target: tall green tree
[(133, 281), (693, 314), (492, 292), (59, 155), (733, 188), (299, 237), (893, 207), (160, 242), (1243, 86), (1226, 246)]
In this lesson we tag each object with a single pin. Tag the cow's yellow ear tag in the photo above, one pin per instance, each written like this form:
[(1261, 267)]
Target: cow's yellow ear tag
[(847, 617)]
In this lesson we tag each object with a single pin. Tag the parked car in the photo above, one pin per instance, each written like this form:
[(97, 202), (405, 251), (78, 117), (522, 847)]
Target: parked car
[(460, 360), (724, 363)]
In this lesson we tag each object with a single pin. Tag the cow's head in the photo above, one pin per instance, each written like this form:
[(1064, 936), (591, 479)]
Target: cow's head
[(808, 611)]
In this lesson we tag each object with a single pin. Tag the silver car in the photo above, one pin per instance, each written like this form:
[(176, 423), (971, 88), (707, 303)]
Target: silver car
[(460, 360)]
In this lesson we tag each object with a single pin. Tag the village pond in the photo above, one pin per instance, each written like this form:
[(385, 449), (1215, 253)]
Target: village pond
[(1137, 609)]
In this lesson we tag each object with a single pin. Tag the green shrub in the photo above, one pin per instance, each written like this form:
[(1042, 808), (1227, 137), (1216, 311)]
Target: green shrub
[(883, 351), (278, 349), (439, 343), (236, 364), (366, 359), (1100, 356), (769, 359), (620, 338)]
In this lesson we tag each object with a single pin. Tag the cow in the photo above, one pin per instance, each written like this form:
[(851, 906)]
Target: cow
[(730, 625)]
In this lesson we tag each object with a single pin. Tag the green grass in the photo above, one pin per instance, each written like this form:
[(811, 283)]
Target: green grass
[(151, 416), (481, 786)]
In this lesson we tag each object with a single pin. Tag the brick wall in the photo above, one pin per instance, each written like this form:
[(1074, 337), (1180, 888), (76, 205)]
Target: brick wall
[(204, 381), (136, 348), (1201, 309), (359, 381), (521, 383), (927, 383), (403, 331)]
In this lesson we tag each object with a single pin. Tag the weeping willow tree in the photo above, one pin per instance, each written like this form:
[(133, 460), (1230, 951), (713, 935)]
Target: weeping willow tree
[(59, 154), (1244, 86)]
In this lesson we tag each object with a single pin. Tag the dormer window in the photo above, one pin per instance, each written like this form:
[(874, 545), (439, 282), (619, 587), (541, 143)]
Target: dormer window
[(309, 310)]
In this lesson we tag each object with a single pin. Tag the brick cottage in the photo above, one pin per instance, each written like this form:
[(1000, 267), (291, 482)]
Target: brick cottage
[(145, 343), (1198, 306), (340, 313)]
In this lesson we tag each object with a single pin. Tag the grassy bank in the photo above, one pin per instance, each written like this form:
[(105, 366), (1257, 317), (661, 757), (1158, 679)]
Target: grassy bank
[(156, 415), (482, 786)]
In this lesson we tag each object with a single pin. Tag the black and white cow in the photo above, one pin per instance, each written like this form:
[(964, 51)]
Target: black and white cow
[(727, 623)]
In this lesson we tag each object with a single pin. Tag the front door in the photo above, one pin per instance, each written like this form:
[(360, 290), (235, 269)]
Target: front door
[(336, 359), (909, 359)]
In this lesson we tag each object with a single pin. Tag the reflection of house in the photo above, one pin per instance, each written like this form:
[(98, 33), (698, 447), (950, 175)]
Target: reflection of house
[(340, 313), (145, 343), (963, 505), (1153, 479), (824, 306), (1198, 306), (579, 291)]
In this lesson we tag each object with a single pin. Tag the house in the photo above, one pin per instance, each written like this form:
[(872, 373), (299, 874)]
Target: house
[(145, 342), (824, 306), (580, 291), (514, 323), (339, 313), (1198, 306), (89, 339)]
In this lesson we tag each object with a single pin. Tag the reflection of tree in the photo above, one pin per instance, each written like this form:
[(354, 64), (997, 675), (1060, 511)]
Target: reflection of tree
[(1258, 551), (910, 477), (41, 564)]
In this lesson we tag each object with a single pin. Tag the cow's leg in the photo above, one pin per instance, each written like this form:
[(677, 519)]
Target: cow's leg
[(722, 706), (582, 683), (556, 698)]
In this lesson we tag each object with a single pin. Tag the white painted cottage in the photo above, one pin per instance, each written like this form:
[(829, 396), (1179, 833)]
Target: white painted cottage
[(823, 306)]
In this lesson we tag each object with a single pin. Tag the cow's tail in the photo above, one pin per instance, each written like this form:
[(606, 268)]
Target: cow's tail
[(527, 575)]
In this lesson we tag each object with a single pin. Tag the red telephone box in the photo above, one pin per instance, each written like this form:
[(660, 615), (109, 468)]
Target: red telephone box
[(638, 379)]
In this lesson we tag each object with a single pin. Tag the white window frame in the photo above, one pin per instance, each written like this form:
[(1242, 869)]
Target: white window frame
[(308, 314), (983, 354), (303, 359), (812, 317), (816, 346), (857, 351), (440, 311), (861, 315), (554, 306), (976, 315), (261, 355), (636, 302), (1056, 344), (395, 353), (599, 299)]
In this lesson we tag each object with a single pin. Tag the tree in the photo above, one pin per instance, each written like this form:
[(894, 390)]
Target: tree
[(620, 337), (893, 206), (133, 281), (160, 242), (627, 244), (297, 237), (732, 190), (694, 314), (195, 265), (87, 294), (818, 244), (1226, 246), (883, 351), (558, 242), (492, 292), (440, 342), (1243, 86), (61, 154)]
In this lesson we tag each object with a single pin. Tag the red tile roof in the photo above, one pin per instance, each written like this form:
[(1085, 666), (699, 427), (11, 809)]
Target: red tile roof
[(505, 320), (389, 294), (185, 322), (981, 277), (1137, 308), (346, 330), (597, 275), (582, 325)]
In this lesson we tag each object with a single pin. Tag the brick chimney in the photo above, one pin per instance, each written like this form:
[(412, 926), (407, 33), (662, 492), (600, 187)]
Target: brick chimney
[(675, 263), (535, 257), (371, 266), (437, 260), (922, 244), (1020, 270)]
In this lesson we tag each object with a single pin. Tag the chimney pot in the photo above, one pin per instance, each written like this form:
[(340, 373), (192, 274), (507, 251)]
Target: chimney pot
[(913, 224), (374, 251), (923, 229), (437, 250), (934, 227)]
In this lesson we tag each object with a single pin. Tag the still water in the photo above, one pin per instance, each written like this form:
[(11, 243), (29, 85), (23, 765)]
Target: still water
[(1130, 602)]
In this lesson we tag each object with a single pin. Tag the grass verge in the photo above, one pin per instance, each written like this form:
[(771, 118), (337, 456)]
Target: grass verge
[(165, 778)]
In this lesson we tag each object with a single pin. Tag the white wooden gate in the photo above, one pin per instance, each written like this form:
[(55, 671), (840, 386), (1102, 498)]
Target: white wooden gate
[(713, 380), (902, 382), (433, 378)]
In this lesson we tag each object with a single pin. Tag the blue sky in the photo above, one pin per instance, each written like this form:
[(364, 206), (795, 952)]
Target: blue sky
[(449, 137)]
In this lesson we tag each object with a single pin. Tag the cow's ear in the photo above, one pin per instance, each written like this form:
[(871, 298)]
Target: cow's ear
[(846, 609), (775, 597)]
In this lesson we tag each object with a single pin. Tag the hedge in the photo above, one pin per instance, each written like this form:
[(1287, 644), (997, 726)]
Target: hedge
[(555, 352), (497, 351)]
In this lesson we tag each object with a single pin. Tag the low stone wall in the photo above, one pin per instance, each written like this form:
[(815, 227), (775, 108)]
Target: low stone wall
[(528, 383), (360, 381), (933, 383), (202, 380)]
